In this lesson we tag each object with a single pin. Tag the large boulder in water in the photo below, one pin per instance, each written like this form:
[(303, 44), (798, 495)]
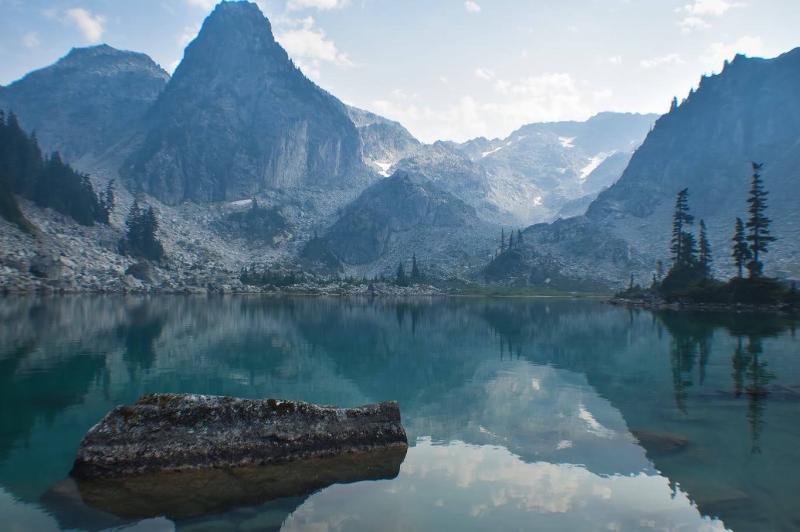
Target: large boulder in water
[(171, 432)]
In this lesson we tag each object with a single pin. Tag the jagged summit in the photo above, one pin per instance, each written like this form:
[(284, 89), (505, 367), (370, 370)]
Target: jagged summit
[(238, 118)]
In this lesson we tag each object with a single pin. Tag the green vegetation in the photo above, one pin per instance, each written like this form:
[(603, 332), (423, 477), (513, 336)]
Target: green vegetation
[(47, 181), (141, 238), (690, 278), (252, 276)]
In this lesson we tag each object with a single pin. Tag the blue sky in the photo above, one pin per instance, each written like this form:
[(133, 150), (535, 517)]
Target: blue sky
[(447, 69)]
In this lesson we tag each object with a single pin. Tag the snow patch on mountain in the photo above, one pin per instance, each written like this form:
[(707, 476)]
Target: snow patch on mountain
[(490, 152), (594, 163), (567, 142)]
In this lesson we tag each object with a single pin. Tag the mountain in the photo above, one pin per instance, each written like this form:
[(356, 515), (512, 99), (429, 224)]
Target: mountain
[(238, 117), (748, 112), (87, 101), (538, 170), (402, 215), (383, 141)]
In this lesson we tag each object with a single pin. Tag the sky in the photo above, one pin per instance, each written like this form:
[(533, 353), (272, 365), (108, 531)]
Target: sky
[(446, 69)]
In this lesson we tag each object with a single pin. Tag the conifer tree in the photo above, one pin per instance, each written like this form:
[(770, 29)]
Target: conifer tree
[(511, 240), (141, 238), (108, 201), (400, 277), (741, 251), (502, 240), (519, 237), (705, 257), (416, 275), (758, 234), (682, 240)]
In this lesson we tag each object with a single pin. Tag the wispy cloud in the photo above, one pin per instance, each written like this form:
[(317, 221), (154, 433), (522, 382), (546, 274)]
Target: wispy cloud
[(472, 6), (91, 25), (718, 52), (663, 60), (317, 4), (309, 47), (31, 39), (484, 73), (202, 4), (695, 14), (546, 97)]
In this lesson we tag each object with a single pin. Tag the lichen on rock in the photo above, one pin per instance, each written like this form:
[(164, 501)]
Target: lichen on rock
[(174, 432)]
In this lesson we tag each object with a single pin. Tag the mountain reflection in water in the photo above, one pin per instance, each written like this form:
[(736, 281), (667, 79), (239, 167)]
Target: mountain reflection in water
[(521, 413)]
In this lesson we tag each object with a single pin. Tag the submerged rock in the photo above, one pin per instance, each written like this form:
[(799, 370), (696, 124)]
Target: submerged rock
[(660, 443), (171, 432), (181, 495)]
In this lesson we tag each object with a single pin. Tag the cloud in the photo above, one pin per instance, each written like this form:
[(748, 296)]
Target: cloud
[(547, 97), (309, 47), (718, 52), (615, 60), (472, 7), (31, 40), (90, 25), (695, 13), (669, 59), (484, 73), (693, 23), (295, 5), (188, 34), (708, 7), (203, 4)]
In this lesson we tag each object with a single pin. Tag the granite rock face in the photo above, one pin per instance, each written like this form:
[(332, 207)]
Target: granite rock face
[(238, 118), (172, 432)]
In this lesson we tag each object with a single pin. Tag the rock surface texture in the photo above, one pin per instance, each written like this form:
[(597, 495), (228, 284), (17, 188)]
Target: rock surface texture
[(169, 432)]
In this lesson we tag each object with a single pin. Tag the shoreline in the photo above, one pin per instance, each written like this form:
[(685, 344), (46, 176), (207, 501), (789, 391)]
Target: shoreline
[(738, 308)]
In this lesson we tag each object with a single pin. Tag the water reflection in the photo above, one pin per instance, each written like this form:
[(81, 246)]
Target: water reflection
[(527, 413)]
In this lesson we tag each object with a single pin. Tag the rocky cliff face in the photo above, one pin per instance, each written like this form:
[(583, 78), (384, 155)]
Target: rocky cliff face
[(749, 112), (87, 101), (238, 118), (383, 141)]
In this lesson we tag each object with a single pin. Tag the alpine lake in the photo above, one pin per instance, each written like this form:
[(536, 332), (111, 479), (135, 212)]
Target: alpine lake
[(521, 414)]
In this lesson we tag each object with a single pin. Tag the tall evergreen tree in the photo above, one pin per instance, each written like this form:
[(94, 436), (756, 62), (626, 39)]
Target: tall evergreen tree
[(400, 277), (108, 201), (502, 240), (511, 240), (758, 234), (741, 251), (681, 220), (519, 237), (416, 275), (705, 257)]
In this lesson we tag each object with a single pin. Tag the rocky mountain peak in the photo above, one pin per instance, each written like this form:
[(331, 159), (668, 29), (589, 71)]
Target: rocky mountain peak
[(107, 60), (235, 34), (238, 118)]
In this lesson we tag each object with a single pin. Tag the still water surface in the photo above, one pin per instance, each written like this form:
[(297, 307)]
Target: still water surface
[(539, 414)]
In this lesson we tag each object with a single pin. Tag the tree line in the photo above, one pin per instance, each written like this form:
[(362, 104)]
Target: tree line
[(45, 180)]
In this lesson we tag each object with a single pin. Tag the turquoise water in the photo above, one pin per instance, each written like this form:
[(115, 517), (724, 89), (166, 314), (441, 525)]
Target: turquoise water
[(521, 414)]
